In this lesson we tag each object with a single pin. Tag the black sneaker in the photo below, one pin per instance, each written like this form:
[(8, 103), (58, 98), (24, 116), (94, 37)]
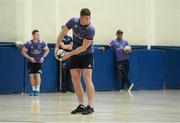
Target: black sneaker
[(79, 109), (88, 110)]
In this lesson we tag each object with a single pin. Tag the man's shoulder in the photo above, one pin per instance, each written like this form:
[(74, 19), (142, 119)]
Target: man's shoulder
[(42, 41), (28, 42), (113, 41), (90, 28), (125, 40), (75, 19)]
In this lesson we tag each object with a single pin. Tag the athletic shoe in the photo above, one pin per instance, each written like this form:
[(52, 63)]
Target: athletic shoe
[(31, 94), (36, 93), (79, 109), (88, 110), (130, 87)]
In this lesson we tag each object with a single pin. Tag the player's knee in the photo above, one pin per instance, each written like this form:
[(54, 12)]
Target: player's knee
[(37, 76), (31, 75), (75, 78), (87, 79)]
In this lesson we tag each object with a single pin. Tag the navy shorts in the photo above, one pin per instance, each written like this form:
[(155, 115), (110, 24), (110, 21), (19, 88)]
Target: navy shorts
[(82, 61), (34, 68)]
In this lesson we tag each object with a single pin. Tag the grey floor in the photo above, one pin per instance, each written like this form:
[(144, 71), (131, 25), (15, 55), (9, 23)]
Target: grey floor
[(109, 107)]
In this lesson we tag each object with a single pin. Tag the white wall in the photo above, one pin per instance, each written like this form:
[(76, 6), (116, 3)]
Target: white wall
[(155, 22)]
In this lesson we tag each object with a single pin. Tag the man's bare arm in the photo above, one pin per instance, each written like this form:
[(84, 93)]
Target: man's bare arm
[(86, 44), (24, 53), (46, 52)]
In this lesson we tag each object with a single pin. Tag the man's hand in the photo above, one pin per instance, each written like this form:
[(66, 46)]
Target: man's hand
[(42, 59), (32, 59), (127, 51), (66, 56)]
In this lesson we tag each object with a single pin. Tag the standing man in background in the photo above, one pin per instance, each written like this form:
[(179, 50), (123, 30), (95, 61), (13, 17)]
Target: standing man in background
[(35, 51), (81, 57), (122, 59), (66, 84)]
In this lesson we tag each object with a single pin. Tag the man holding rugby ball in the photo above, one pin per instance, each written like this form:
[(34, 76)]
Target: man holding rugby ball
[(122, 51)]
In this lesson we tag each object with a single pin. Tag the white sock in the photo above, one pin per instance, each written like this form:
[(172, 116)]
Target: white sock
[(38, 88), (33, 88)]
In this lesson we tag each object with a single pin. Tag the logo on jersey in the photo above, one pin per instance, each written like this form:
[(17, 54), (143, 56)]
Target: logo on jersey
[(89, 66), (75, 26), (81, 38), (35, 50)]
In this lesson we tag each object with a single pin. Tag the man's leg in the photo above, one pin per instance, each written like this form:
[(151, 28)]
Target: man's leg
[(126, 72), (37, 71), (120, 76), (87, 75), (76, 77), (123, 78), (31, 77), (38, 82), (33, 83)]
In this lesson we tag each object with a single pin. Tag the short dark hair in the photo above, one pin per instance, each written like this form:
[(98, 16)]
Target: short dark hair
[(34, 31), (85, 12), (119, 31)]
